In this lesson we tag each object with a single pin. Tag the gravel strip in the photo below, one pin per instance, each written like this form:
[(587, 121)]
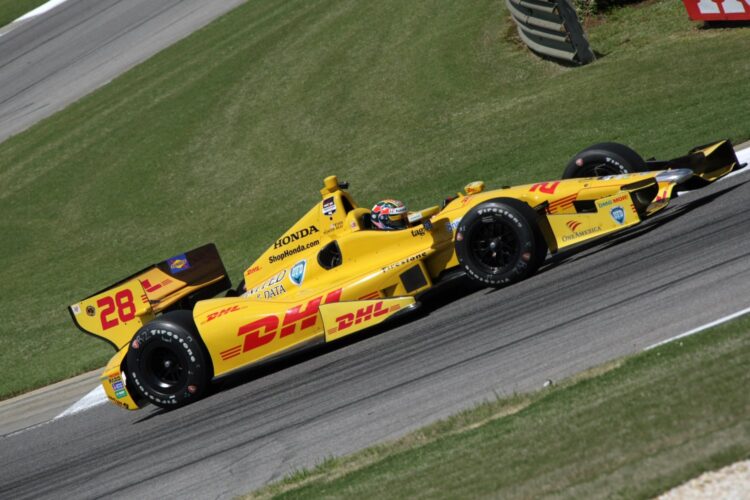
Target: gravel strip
[(730, 483)]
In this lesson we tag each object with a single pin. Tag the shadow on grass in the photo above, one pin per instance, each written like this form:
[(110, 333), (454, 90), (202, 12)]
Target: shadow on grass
[(712, 25)]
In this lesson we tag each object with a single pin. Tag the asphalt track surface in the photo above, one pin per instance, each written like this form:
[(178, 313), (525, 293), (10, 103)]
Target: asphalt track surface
[(682, 269), (54, 59)]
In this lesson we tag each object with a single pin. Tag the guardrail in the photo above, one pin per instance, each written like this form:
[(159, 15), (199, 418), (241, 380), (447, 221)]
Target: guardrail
[(551, 28)]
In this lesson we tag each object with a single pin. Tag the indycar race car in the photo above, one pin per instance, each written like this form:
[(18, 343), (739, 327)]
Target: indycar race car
[(333, 274)]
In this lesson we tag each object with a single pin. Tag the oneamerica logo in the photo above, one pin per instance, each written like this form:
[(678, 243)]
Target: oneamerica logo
[(297, 235), (581, 234)]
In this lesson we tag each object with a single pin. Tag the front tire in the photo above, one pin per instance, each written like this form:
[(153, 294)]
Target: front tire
[(499, 242), (605, 158), (167, 363)]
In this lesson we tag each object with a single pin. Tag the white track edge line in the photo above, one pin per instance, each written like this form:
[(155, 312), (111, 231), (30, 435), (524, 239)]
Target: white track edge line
[(51, 4), (41, 9), (701, 328), (95, 397)]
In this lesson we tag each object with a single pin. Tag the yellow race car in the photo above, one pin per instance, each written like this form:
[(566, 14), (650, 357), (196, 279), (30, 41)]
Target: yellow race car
[(336, 272)]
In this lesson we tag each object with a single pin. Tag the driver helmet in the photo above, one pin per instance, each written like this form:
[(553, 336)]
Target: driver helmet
[(389, 214)]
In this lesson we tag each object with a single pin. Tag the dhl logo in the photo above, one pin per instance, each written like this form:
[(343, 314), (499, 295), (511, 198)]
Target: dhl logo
[(223, 312), (151, 288), (264, 330), (364, 314)]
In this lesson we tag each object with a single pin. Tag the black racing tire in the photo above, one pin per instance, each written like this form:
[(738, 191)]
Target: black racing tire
[(499, 242), (167, 362), (605, 158)]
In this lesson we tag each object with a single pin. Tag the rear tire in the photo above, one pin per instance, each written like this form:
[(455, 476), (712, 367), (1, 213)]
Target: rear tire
[(499, 242), (167, 363), (605, 158)]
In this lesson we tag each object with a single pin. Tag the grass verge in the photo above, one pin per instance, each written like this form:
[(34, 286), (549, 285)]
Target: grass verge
[(632, 429), (226, 136), (10, 10)]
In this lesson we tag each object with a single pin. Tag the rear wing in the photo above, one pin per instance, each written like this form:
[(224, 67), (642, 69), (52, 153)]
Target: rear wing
[(117, 312)]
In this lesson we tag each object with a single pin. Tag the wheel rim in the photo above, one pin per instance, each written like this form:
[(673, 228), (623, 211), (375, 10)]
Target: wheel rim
[(164, 370), (495, 246)]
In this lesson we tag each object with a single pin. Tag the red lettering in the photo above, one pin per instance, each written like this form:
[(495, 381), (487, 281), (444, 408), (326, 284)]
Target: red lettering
[(308, 316), (333, 296), (259, 332), (152, 288), (108, 304), (262, 331), (223, 312), (345, 321), (364, 314), (379, 311), (125, 305), (122, 303), (545, 187), (149, 287)]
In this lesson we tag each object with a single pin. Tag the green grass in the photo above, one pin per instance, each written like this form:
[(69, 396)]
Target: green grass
[(645, 425), (227, 135), (10, 10)]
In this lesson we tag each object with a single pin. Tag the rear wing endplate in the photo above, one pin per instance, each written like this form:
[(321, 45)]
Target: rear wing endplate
[(117, 312)]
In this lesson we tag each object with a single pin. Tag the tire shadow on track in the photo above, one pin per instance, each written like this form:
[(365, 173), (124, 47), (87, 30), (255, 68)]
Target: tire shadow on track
[(432, 300)]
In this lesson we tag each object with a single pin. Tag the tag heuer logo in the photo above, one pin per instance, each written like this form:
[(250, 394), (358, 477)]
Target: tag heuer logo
[(618, 214), (297, 274)]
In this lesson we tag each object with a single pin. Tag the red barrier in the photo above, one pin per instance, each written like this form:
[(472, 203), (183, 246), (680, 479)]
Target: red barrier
[(718, 10)]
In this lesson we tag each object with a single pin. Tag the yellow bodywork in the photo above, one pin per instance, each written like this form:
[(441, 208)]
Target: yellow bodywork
[(114, 383), (115, 314), (330, 275), (280, 311)]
